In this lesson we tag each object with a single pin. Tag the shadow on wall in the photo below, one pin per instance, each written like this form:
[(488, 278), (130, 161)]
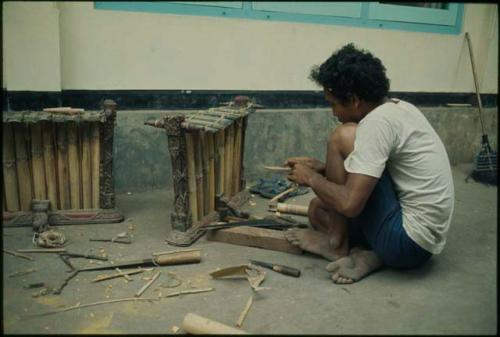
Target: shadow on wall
[(142, 161)]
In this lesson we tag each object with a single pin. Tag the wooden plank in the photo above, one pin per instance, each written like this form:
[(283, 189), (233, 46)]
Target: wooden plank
[(95, 158), (254, 237), (228, 161), (62, 167), (193, 202), (74, 166), (23, 167), (38, 167), (86, 166), (50, 163), (212, 173)]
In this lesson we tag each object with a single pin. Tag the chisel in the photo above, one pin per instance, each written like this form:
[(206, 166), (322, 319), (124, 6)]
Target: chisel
[(162, 260), (278, 268)]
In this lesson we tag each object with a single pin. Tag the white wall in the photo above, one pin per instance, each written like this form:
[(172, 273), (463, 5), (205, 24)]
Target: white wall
[(104, 49), (31, 54)]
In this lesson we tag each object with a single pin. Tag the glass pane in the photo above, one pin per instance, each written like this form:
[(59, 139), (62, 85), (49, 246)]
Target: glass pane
[(437, 5)]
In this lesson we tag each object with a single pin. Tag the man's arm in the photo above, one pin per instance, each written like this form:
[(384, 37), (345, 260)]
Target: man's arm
[(348, 200)]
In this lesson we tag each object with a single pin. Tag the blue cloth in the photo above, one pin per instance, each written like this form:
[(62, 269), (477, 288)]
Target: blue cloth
[(380, 227)]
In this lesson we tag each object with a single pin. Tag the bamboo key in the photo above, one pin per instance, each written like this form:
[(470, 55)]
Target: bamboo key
[(147, 285)]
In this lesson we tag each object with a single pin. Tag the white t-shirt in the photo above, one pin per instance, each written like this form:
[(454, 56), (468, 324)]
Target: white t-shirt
[(397, 135)]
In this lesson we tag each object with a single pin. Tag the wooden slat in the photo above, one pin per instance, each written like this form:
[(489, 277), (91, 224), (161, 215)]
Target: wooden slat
[(220, 163), (237, 156), (199, 173), (38, 166), (74, 166), (95, 158), (211, 172), (254, 237), (23, 167), (50, 163), (228, 159), (86, 170), (62, 166), (11, 199), (206, 173)]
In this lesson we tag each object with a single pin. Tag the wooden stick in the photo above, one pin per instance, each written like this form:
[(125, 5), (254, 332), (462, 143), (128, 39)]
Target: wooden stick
[(86, 166), (293, 188), (199, 173), (219, 145), (211, 172), (50, 163), (228, 159), (37, 161), (288, 208), (190, 158), (22, 272), (74, 166), (244, 313), (95, 162), (175, 251), (237, 156), (80, 306), (191, 291), (121, 273), (147, 285), (23, 167), (59, 289), (125, 275), (197, 325), (9, 170), (204, 160), (284, 169), (17, 254), (62, 167), (48, 250)]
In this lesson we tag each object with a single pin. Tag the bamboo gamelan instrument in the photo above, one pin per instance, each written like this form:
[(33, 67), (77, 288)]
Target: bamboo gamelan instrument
[(206, 150), (65, 158)]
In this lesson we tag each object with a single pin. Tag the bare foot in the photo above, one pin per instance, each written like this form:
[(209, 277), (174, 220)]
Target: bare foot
[(354, 267), (316, 242)]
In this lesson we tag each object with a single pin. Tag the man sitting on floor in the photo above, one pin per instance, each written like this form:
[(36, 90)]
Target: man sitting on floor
[(385, 195)]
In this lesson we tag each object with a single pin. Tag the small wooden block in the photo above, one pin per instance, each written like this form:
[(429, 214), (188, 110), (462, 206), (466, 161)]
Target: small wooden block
[(254, 237)]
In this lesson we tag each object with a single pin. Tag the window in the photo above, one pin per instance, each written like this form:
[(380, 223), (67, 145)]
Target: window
[(435, 17)]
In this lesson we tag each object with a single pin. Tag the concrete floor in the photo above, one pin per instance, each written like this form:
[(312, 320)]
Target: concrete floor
[(455, 293)]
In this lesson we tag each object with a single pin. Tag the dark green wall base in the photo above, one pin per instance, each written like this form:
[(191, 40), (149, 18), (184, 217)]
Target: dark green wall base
[(202, 99)]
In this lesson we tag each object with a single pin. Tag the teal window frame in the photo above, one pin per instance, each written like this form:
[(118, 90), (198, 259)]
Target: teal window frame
[(357, 14)]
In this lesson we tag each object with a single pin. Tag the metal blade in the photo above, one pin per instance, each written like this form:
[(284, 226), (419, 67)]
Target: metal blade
[(133, 263), (262, 264)]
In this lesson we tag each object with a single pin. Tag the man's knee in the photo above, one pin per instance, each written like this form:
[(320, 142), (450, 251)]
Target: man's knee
[(315, 206), (342, 138)]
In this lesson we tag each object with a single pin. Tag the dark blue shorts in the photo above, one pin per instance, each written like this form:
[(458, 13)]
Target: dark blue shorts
[(379, 227)]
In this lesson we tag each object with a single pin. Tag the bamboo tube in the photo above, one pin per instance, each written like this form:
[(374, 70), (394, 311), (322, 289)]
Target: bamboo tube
[(38, 168), (95, 158), (73, 166), (289, 208), (62, 167), (198, 172), (23, 168), (211, 172), (11, 199), (50, 163), (193, 205), (197, 325), (219, 144), (237, 156), (204, 160), (86, 168), (228, 159)]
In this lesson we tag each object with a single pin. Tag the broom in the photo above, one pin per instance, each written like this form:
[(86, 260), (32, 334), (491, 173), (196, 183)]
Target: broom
[(485, 161)]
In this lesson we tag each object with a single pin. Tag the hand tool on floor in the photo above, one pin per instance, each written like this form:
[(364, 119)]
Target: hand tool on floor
[(278, 268), (266, 223), (162, 260)]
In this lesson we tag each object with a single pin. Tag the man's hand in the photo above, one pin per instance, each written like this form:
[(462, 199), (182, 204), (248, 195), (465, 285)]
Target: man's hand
[(312, 163), (301, 174)]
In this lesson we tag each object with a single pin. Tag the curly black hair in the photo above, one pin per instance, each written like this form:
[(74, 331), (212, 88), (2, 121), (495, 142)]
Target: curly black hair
[(351, 71)]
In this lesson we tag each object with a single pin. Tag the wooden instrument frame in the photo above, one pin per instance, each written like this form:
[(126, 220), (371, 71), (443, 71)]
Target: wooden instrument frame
[(102, 209)]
